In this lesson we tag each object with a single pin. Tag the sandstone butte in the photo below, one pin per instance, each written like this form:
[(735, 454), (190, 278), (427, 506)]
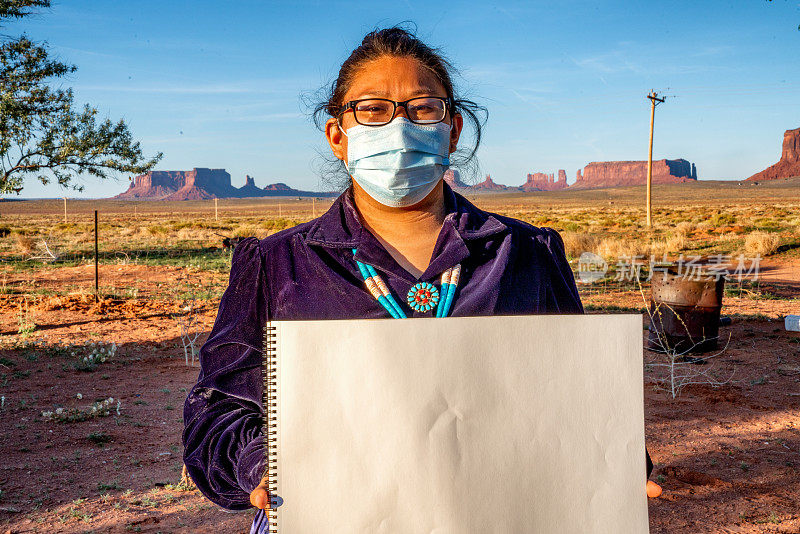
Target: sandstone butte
[(201, 184), (540, 181), (595, 175), (489, 185), (789, 164), (622, 173)]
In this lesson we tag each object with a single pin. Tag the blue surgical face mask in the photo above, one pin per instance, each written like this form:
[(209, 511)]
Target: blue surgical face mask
[(398, 164)]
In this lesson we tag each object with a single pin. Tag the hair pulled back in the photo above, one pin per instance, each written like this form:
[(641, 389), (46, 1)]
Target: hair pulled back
[(400, 42)]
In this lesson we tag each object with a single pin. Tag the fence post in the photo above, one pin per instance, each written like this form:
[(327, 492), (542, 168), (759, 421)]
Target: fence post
[(96, 270)]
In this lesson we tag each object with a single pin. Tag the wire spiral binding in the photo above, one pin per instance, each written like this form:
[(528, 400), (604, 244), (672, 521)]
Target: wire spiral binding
[(270, 427)]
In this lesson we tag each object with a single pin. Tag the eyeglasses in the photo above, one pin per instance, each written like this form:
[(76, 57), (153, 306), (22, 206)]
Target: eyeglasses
[(380, 111)]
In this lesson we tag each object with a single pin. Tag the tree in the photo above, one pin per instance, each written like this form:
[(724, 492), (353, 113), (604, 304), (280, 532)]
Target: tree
[(41, 132)]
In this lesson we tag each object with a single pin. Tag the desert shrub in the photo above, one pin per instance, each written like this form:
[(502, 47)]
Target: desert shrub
[(24, 243), (576, 243), (180, 225), (613, 248), (723, 219), (101, 408), (156, 229), (672, 244), (247, 230), (189, 233), (761, 243), (278, 223), (684, 228)]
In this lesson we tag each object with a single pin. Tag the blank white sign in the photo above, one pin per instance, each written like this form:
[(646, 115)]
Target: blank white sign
[(513, 424)]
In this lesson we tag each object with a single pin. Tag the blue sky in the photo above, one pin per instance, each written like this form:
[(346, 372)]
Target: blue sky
[(218, 84)]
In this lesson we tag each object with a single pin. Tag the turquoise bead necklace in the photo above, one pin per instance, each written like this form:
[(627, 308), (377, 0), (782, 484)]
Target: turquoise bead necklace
[(422, 297)]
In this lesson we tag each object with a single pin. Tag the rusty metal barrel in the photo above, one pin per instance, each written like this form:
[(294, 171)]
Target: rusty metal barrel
[(685, 311)]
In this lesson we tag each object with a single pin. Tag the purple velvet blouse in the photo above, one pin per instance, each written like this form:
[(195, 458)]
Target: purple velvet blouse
[(307, 272)]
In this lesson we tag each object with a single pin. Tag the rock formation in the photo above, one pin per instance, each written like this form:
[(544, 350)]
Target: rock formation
[(622, 173), (489, 185), (155, 184), (540, 181), (453, 179), (789, 164), (201, 184)]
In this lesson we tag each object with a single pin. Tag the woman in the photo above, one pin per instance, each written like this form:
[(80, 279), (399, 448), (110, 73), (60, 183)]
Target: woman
[(394, 124)]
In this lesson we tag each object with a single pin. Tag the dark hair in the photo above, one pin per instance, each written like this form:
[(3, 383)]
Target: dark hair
[(400, 42)]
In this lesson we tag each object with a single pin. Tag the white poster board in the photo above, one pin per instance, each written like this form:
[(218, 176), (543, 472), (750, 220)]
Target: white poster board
[(515, 424)]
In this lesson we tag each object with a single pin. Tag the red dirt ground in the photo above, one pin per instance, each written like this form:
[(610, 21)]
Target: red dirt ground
[(728, 458)]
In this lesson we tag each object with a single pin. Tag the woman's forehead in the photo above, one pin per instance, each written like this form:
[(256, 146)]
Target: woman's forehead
[(398, 78)]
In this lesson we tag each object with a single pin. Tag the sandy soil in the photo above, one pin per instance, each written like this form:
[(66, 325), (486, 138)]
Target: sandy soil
[(728, 457)]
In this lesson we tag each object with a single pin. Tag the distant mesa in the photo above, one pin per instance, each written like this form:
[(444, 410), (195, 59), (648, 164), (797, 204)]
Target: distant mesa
[(535, 182), (594, 176), (789, 165), (623, 173), (540, 181), (202, 184), (453, 179), (489, 185)]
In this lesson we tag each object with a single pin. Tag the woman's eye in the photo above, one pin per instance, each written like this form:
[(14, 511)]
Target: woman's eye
[(372, 107)]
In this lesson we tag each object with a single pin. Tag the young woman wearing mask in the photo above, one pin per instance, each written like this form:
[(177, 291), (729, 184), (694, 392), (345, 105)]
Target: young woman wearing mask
[(399, 242)]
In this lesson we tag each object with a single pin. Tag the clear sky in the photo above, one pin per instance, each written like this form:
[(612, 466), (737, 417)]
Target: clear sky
[(218, 84)]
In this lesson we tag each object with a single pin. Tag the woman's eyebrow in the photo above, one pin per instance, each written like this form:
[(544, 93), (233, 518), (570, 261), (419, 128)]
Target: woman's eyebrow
[(379, 93)]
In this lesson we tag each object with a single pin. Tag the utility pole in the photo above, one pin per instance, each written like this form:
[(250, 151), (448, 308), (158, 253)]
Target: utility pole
[(654, 101), (216, 212)]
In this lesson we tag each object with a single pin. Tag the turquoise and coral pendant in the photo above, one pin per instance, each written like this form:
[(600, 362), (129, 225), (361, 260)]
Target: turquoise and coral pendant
[(423, 296)]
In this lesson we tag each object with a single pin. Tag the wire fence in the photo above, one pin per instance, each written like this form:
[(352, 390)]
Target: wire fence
[(183, 265)]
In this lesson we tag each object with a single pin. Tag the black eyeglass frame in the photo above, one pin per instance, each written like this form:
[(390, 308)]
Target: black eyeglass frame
[(449, 104)]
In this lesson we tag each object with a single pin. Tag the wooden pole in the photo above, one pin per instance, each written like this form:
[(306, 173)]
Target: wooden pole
[(280, 211), (653, 96), (96, 269), (216, 212), (314, 207), (65, 209)]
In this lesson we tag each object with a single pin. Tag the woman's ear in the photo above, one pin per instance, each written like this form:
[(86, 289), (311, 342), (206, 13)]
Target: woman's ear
[(455, 131), (336, 139)]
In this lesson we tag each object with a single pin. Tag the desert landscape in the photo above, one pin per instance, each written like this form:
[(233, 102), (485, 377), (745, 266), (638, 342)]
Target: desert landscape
[(125, 190), (726, 454)]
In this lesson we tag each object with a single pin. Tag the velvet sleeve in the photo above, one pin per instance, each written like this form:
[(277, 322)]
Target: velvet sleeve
[(223, 413)]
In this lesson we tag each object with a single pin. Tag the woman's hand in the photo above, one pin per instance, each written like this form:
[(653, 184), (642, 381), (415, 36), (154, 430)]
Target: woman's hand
[(653, 489), (259, 497)]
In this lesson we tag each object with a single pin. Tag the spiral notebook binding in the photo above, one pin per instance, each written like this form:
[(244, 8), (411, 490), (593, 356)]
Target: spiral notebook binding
[(270, 427)]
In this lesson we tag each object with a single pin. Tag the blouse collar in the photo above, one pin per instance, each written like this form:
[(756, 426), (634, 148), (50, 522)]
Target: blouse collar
[(341, 227)]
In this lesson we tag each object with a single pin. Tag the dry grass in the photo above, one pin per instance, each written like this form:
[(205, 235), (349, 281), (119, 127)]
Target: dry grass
[(575, 243), (613, 248), (761, 243), (24, 244), (685, 228)]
